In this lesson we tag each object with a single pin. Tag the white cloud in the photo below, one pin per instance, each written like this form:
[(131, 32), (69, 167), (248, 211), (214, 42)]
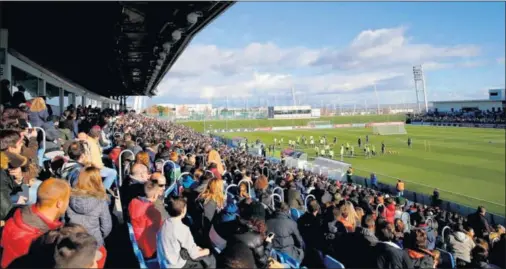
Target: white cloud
[(381, 56)]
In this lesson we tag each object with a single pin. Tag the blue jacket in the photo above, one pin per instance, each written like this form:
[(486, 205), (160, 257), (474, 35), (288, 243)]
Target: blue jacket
[(37, 119)]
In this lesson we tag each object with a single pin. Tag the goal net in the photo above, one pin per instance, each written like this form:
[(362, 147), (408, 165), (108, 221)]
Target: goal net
[(389, 129)]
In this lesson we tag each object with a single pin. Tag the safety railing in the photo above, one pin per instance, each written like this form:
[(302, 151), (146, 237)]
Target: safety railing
[(307, 198), (274, 195), (43, 137), (281, 193), (120, 166)]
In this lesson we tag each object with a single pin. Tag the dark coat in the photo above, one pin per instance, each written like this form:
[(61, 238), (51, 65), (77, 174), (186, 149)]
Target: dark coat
[(310, 227), (390, 256), (8, 187), (260, 248), (294, 199), (479, 224), (354, 249), (286, 235)]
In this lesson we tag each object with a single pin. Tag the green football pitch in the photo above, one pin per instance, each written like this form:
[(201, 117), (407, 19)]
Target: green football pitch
[(466, 164)]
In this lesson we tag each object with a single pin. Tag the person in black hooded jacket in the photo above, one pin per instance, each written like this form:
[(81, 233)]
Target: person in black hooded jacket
[(287, 237), (252, 233), (386, 253)]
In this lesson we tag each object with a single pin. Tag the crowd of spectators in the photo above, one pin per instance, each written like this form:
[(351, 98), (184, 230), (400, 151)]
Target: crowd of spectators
[(471, 117), (193, 202)]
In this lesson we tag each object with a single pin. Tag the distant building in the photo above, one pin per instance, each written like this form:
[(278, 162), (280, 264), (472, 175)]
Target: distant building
[(496, 101), (187, 111)]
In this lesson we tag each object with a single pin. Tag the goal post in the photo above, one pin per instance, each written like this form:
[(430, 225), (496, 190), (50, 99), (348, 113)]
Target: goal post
[(398, 129)]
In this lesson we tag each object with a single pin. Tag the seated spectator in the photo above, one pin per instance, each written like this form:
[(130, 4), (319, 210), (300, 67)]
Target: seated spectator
[(213, 167), (287, 237), (262, 193), (480, 258), (399, 232), (171, 170), (134, 186), (143, 158), (146, 219), (77, 160), (389, 210), (96, 157), (41, 252), (294, 197), (77, 251), (214, 157), (177, 242), (38, 112), (243, 191), (497, 252), (346, 217), (238, 255), (10, 183), (420, 256), (89, 206), (252, 233), (160, 180), (460, 244), (386, 253), (30, 222), (309, 225), (354, 249)]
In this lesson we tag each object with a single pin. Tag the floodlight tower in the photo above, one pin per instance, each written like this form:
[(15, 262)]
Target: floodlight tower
[(419, 79)]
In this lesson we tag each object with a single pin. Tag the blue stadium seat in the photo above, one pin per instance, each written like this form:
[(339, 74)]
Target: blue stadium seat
[(295, 213), (330, 262), (143, 264), (447, 260), (286, 259), (160, 255)]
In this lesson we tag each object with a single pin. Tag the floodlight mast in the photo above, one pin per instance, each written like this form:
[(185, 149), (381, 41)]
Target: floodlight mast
[(419, 80)]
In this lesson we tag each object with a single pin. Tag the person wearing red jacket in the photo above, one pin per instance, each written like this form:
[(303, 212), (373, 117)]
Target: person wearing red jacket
[(146, 219), (389, 210), (29, 223)]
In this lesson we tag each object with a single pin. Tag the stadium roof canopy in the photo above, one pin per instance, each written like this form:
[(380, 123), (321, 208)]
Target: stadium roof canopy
[(110, 48)]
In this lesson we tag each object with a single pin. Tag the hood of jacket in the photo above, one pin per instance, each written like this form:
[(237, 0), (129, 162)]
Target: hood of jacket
[(84, 202), (460, 236)]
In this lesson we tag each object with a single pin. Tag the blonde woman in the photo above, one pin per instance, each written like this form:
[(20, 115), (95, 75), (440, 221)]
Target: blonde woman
[(211, 200), (38, 112), (89, 207), (352, 214)]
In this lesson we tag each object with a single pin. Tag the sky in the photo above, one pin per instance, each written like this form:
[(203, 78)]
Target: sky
[(336, 52)]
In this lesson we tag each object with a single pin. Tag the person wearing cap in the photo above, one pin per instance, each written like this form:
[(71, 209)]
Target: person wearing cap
[(28, 223), (107, 173)]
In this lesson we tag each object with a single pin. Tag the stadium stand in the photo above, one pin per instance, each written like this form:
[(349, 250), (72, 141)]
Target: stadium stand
[(341, 224)]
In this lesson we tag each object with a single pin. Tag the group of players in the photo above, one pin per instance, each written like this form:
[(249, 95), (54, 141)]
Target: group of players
[(325, 149)]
